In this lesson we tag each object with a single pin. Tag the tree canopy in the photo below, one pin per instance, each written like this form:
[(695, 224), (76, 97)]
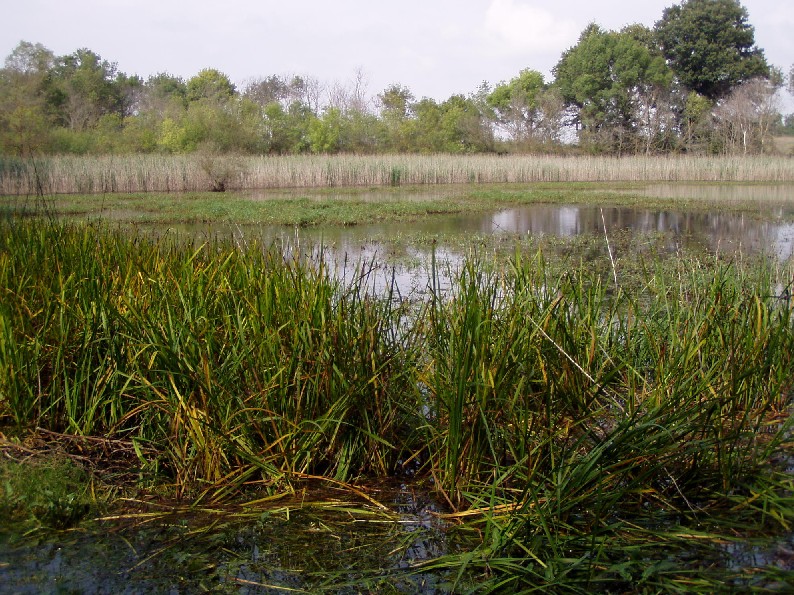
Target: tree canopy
[(695, 81), (710, 45), (610, 78)]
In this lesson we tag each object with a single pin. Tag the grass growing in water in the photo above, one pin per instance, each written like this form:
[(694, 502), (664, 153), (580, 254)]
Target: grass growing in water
[(573, 424)]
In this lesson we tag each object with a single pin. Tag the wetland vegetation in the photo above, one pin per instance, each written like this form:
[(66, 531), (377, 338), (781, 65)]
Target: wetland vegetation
[(574, 414), (293, 337)]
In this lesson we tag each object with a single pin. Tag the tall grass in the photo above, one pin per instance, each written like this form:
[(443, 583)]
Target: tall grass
[(601, 434), (179, 173), (577, 424), (232, 365)]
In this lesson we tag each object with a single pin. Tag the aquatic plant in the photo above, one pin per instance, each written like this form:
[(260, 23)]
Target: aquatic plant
[(574, 424)]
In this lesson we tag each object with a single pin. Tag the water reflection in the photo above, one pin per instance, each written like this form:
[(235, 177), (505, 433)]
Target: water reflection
[(716, 230), (398, 255)]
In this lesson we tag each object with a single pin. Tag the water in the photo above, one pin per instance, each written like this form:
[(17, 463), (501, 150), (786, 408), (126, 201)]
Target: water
[(402, 251), (301, 546)]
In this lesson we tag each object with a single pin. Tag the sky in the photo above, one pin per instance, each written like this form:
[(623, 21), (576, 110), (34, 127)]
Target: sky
[(436, 48)]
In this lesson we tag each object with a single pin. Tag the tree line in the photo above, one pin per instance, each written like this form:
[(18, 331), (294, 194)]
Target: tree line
[(694, 82)]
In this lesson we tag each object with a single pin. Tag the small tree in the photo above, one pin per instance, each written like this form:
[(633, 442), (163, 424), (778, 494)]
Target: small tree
[(746, 117), (210, 84)]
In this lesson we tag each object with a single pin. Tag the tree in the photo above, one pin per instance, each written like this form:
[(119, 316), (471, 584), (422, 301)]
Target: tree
[(710, 46), (791, 80), (746, 117), (351, 96), (612, 82), (85, 89), (163, 94), (265, 91), (325, 133), (696, 124), (210, 84), (516, 105), (454, 126), (24, 121), (396, 112)]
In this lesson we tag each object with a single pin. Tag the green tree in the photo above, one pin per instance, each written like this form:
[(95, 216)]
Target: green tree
[(710, 46), (611, 81), (163, 94), (325, 133), (85, 89), (454, 126), (286, 131), (210, 84), (396, 112), (25, 126), (516, 105), (696, 123)]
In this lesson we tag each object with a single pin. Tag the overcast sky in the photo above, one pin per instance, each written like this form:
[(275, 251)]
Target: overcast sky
[(434, 47)]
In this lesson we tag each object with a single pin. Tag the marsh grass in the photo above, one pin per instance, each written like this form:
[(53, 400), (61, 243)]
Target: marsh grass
[(190, 173), (51, 491), (572, 423)]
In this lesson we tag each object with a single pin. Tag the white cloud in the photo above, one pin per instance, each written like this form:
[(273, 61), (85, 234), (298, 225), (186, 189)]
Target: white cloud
[(523, 26)]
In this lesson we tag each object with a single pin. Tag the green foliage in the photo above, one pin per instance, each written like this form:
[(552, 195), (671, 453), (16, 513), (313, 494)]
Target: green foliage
[(610, 78), (55, 492), (163, 93), (696, 122), (325, 133), (575, 425), (710, 46), (613, 86), (210, 84), (85, 89), (396, 113), (516, 104)]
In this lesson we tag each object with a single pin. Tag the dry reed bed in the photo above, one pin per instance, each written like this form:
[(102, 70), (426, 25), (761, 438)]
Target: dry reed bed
[(184, 173)]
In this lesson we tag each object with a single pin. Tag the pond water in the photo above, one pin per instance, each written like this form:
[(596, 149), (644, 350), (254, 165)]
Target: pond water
[(765, 222), (299, 547), (403, 251)]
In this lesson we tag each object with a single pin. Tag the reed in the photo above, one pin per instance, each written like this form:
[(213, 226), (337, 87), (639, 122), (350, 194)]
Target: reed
[(188, 173), (572, 423), (631, 421), (231, 365)]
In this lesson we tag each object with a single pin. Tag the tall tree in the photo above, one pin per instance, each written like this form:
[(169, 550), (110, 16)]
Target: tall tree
[(86, 89), (163, 93), (710, 46), (264, 91), (610, 80), (396, 111), (24, 122), (516, 105)]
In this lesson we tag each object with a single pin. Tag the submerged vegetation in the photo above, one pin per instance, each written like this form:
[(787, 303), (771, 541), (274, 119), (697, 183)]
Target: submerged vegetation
[(593, 438)]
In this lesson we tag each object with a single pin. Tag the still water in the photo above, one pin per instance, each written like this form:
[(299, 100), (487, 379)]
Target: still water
[(764, 223), (402, 251)]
